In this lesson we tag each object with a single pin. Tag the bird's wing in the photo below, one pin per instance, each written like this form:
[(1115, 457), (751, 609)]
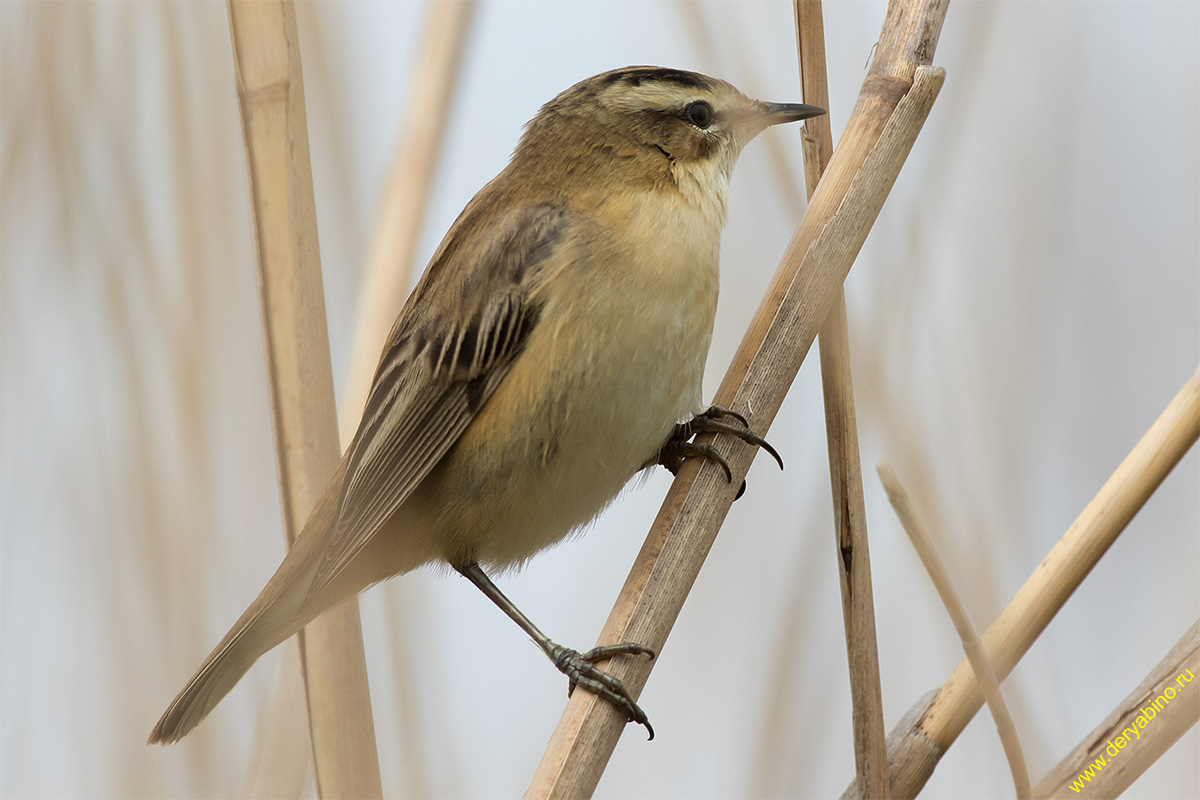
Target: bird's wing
[(450, 348)]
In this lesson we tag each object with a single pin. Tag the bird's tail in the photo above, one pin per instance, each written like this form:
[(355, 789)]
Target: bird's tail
[(278, 612)]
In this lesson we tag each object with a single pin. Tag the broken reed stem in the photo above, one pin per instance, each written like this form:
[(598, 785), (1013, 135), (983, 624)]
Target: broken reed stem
[(1151, 719), (919, 744), (894, 102), (270, 90), (845, 470), (431, 91), (984, 673)]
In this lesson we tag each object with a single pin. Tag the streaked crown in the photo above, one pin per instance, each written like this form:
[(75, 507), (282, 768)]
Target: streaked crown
[(649, 126)]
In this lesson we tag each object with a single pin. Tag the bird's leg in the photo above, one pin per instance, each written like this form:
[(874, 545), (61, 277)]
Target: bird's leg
[(680, 445), (580, 668)]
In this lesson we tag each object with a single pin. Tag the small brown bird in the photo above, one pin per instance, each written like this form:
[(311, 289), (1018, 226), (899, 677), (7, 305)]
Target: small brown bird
[(553, 348)]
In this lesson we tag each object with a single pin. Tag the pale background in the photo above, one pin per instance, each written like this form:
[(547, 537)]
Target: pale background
[(1024, 308)]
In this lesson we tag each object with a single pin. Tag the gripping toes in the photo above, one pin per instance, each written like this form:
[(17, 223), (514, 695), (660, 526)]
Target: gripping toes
[(680, 446), (710, 422), (581, 670)]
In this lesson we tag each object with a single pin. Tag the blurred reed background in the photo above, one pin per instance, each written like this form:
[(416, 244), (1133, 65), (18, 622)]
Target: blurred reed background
[(1025, 306)]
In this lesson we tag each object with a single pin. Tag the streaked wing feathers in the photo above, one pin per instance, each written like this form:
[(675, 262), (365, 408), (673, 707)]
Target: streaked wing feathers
[(450, 348)]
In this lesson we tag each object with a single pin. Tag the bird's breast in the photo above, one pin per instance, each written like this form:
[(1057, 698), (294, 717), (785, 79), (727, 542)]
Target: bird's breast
[(623, 343), (615, 359), (655, 300)]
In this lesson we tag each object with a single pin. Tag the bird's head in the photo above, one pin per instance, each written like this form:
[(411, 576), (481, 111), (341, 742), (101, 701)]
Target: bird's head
[(648, 125)]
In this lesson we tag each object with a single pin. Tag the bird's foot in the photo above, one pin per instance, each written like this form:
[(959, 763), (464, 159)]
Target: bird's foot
[(680, 445), (581, 670)]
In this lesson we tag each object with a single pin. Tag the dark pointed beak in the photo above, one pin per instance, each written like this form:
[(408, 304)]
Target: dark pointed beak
[(777, 113)]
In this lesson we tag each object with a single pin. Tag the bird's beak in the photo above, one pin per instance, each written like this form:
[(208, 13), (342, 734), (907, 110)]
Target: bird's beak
[(777, 113)]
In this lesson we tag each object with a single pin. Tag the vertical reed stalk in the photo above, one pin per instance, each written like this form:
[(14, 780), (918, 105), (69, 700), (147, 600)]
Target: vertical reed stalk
[(271, 99), (845, 471)]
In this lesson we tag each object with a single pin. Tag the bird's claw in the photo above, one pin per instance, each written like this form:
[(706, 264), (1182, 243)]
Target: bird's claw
[(581, 670), (680, 446), (710, 422)]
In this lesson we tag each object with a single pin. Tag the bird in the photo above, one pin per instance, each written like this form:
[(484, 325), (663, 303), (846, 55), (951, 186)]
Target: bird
[(553, 349)]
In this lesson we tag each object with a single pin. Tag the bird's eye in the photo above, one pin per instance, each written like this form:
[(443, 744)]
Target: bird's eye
[(699, 114)]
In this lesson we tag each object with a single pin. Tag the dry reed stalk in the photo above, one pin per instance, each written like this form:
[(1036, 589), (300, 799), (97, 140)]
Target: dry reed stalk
[(984, 673), (915, 745), (845, 469), (385, 285), (271, 99), (400, 219), (1151, 735), (891, 108)]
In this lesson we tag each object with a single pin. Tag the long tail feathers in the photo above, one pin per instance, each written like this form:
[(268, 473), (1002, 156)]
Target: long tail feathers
[(254, 634), (278, 612)]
